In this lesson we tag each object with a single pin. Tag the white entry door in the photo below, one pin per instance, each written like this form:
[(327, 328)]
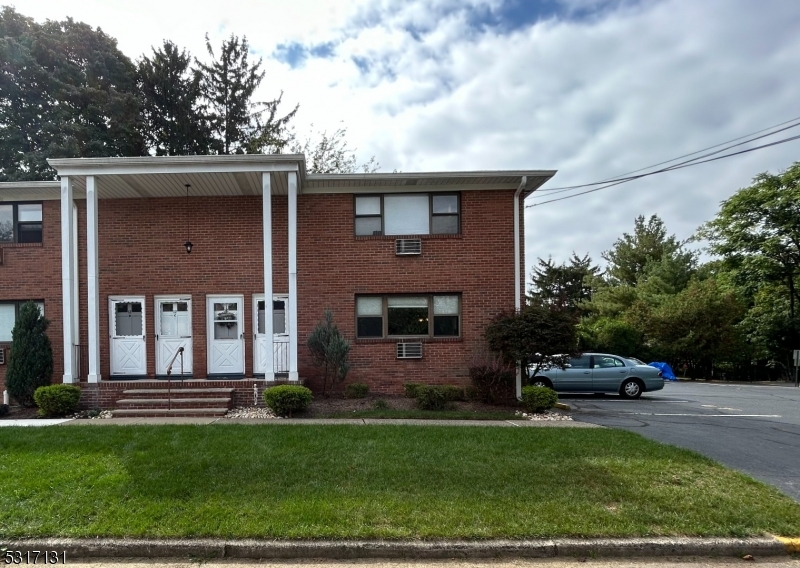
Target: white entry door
[(173, 331), (128, 349), (280, 336), (225, 336)]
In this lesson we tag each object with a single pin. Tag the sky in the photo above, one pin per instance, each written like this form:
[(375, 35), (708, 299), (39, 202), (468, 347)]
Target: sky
[(591, 88)]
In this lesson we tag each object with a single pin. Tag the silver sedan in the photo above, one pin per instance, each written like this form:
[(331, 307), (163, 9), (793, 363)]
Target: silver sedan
[(601, 373)]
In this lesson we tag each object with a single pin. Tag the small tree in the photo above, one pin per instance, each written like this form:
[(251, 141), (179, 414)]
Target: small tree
[(31, 362), (535, 335), (329, 350)]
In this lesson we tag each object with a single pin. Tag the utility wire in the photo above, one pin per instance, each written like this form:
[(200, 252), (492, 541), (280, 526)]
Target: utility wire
[(624, 176), (677, 167)]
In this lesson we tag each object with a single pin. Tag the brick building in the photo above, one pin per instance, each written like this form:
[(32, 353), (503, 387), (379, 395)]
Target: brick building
[(413, 267)]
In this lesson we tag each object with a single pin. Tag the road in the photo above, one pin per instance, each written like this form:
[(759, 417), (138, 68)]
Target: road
[(752, 428), (775, 562)]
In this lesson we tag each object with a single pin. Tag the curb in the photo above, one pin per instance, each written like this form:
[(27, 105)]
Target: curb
[(344, 550)]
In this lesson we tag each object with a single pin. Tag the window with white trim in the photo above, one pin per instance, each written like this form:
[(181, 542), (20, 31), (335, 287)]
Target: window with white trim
[(407, 214), (20, 222), (9, 312), (428, 315)]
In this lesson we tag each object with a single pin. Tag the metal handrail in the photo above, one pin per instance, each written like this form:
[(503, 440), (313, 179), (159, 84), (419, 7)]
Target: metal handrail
[(169, 376)]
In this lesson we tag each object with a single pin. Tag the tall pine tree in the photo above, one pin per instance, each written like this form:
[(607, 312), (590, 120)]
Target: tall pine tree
[(238, 123), (171, 103)]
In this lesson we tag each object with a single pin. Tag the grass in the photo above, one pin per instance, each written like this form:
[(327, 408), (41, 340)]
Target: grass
[(306, 481), (417, 414)]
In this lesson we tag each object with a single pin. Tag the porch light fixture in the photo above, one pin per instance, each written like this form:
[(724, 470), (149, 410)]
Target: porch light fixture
[(188, 244)]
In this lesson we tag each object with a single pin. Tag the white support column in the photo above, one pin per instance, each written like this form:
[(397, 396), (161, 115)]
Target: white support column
[(67, 279), (93, 279), (292, 179), (269, 366)]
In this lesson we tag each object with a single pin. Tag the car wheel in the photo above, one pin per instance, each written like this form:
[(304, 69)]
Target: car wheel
[(542, 382), (631, 388)]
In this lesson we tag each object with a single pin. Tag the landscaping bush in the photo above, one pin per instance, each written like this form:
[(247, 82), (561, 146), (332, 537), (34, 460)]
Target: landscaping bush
[(471, 393), (3, 409), (356, 390), (493, 381), (329, 350), (31, 362), (431, 398), (452, 393), (380, 404), (538, 399), (410, 389), (283, 400), (57, 400)]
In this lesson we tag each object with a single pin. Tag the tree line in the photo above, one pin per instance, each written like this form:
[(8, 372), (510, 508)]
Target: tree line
[(735, 316), (67, 91)]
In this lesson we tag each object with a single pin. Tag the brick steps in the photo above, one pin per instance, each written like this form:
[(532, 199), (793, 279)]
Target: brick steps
[(184, 402), (163, 412)]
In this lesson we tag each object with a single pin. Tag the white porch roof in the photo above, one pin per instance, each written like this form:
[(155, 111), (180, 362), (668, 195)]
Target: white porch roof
[(166, 176)]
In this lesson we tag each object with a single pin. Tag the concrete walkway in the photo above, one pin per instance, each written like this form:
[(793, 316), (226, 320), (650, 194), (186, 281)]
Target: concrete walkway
[(281, 421)]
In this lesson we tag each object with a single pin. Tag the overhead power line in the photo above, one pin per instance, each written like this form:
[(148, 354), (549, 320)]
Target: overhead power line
[(624, 177), (677, 167)]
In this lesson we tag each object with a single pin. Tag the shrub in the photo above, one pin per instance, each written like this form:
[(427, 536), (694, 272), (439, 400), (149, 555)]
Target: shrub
[(471, 393), (31, 362), (380, 404), (356, 390), (452, 393), (57, 400), (283, 400), (538, 399), (3, 409), (410, 389), (431, 398), (492, 380), (329, 350)]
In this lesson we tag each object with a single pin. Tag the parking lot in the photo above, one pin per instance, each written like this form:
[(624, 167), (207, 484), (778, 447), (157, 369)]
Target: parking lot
[(752, 428)]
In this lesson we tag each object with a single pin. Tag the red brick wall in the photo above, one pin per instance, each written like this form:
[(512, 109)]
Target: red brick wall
[(33, 271), (142, 254)]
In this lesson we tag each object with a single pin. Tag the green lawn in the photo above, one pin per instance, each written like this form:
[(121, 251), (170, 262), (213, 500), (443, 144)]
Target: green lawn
[(417, 414), (305, 481)]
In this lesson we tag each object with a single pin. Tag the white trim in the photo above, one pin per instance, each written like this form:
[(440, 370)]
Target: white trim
[(266, 208), (76, 308), (292, 320), (285, 336), (517, 272), (67, 278), (112, 326), (93, 280), (178, 164)]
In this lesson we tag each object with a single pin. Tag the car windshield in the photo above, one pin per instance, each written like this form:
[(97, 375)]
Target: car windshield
[(637, 361)]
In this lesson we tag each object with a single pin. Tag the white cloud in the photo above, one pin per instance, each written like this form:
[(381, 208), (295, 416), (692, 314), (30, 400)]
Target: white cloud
[(636, 84)]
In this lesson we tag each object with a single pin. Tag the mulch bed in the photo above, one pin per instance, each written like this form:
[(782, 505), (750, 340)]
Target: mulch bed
[(336, 403), (20, 412)]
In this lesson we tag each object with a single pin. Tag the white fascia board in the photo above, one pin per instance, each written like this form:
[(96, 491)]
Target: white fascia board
[(179, 164), (433, 175), (30, 190)]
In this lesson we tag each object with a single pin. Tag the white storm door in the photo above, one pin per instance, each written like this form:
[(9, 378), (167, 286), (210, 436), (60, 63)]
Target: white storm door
[(225, 335), (173, 331), (280, 336), (128, 352)]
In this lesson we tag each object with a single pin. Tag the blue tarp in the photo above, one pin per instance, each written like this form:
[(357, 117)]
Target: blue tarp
[(666, 371)]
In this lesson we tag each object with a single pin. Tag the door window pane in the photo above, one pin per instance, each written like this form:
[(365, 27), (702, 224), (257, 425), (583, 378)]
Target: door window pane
[(6, 223), (408, 315), (183, 322), (368, 226), (406, 214), (226, 324), (128, 319), (261, 310), (278, 317)]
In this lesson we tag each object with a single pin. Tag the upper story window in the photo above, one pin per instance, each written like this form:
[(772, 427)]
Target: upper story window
[(408, 214), (20, 222)]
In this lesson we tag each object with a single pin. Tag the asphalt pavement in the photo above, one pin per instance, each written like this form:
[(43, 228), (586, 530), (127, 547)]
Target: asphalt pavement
[(752, 428)]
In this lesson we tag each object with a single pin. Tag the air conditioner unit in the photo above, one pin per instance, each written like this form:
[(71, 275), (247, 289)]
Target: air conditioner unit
[(409, 350), (2, 356), (407, 246)]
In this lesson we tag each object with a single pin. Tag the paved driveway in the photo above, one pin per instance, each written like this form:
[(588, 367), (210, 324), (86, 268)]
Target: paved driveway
[(755, 429)]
